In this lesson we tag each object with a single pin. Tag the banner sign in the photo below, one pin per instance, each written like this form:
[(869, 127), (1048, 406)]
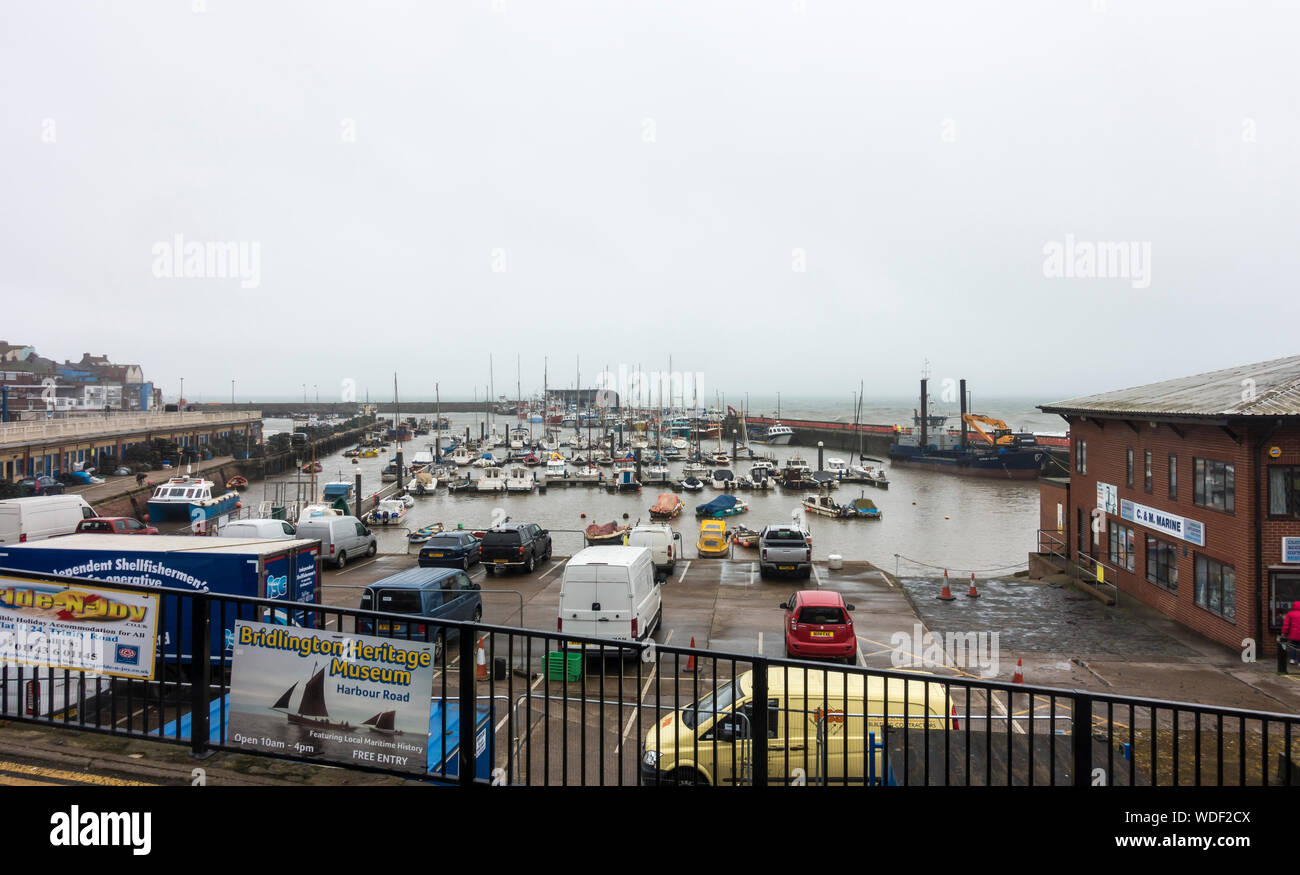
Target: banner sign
[(1171, 524), (1107, 497), (54, 625), (352, 699)]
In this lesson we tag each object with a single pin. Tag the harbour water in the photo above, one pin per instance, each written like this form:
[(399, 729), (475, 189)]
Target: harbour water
[(928, 518)]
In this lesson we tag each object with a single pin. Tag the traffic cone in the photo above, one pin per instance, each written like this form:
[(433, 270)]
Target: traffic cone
[(972, 593), (690, 663), (480, 660), (946, 595), (1019, 676)]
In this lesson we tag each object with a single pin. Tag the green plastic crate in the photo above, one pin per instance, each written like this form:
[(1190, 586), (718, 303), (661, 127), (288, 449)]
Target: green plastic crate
[(556, 668)]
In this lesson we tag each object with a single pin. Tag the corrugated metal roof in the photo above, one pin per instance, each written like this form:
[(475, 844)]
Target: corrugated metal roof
[(1269, 388)]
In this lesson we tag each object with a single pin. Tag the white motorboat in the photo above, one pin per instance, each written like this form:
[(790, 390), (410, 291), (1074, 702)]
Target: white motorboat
[(761, 477), (838, 467), (554, 471), (423, 483), (692, 484), (695, 469), (723, 478), (461, 456), (491, 480), (485, 461), (389, 512), (655, 474), (519, 479), (776, 435), (588, 474)]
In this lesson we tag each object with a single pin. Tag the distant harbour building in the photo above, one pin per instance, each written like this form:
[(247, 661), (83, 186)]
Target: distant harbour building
[(1186, 493), (33, 387)]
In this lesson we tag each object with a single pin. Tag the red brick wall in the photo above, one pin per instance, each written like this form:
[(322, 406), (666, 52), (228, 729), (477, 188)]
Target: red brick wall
[(1229, 537), (1288, 441), (1049, 495)]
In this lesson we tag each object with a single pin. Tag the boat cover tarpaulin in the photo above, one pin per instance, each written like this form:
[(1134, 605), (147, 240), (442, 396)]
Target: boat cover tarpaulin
[(666, 503), (596, 530), (718, 505)]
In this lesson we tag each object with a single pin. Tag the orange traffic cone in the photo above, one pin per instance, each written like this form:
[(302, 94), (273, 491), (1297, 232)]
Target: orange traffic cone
[(690, 663), (972, 593), (946, 595), (480, 660), (1019, 676)]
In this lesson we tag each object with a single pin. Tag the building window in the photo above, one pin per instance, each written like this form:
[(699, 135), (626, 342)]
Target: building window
[(1081, 456), (1128, 467), (1162, 564), (1212, 484), (1173, 477), (1146, 470), (1122, 547), (1284, 591), (1216, 588), (1283, 490)]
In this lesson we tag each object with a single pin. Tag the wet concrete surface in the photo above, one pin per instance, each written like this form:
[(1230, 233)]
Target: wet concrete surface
[(1042, 617)]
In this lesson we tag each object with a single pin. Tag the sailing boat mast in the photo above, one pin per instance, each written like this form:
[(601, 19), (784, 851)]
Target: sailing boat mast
[(437, 432)]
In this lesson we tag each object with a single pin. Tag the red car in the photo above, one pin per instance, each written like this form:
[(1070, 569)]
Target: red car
[(114, 525), (818, 626)]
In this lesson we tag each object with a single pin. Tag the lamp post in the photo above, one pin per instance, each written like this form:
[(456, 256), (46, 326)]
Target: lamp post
[(820, 444), (180, 402)]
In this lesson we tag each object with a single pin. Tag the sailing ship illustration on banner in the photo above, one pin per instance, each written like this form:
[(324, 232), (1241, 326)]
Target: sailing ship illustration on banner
[(311, 709)]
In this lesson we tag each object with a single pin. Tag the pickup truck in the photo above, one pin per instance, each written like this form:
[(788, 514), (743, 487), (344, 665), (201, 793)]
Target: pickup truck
[(784, 549), (515, 545)]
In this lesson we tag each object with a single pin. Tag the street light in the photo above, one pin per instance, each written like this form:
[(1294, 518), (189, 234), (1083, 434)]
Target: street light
[(181, 400)]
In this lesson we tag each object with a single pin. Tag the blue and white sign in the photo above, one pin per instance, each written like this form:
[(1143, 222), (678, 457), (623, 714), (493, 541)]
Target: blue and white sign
[(1291, 549), (1171, 524)]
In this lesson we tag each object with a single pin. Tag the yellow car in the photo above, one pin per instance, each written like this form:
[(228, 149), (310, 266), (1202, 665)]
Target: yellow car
[(713, 539)]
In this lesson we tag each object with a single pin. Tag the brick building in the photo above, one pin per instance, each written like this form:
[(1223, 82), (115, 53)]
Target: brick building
[(1194, 485)]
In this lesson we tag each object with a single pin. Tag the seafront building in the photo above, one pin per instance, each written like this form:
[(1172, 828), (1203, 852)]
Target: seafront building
[(1186, 494)]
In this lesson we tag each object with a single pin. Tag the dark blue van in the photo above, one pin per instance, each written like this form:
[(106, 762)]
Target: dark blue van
[(432, 593)]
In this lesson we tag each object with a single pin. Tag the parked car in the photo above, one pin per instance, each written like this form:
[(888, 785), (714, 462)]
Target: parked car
[(818, 626), (426, 593), (610, 592), (659, 539), (451, 549), (515, 545), (270, 529), (784, 549), (41, 485), (114, 525), (38, 517), (341, 538)]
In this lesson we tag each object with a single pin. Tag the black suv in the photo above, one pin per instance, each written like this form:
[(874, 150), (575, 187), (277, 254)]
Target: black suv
[(518, 545)]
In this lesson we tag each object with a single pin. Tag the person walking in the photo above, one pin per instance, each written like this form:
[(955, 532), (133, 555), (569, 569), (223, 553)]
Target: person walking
[(1291, 632)]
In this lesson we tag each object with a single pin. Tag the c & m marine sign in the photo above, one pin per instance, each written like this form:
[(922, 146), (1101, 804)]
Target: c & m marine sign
[(1171, 524)]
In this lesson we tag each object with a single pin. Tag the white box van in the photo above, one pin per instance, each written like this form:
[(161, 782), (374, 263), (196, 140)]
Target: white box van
[(610, 592), (264, 528), (41, 517), (660, 540), (341, 538)]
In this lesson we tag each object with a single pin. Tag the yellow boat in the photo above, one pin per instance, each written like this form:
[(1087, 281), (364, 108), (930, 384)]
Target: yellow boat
[(713, 539), (369, 453)]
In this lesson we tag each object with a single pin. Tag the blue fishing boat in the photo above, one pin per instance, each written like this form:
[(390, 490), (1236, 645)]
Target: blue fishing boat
[(722, 506)]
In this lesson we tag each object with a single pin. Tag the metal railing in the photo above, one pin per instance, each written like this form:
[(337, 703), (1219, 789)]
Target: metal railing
[(91, 426), (564, 709)]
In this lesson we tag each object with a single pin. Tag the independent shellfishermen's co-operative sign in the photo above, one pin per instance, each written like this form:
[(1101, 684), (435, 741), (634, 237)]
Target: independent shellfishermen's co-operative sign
[(356, 699), (99, 630)]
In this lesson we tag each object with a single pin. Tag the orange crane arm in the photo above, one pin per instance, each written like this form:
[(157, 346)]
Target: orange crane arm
[(974, 419)]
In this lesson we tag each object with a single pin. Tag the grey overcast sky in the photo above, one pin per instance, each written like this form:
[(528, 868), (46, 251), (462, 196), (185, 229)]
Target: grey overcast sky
[(783, 195)]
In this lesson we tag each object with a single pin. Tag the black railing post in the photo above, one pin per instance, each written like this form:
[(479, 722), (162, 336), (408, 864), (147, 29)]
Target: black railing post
[(1081, 755), (468, 711), (200, 671), (1283, 655), (758, 744)]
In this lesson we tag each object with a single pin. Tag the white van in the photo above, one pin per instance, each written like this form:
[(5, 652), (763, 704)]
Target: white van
[(341, 538), (41, 517), (660, 540), (264, 528), (610, 592)]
